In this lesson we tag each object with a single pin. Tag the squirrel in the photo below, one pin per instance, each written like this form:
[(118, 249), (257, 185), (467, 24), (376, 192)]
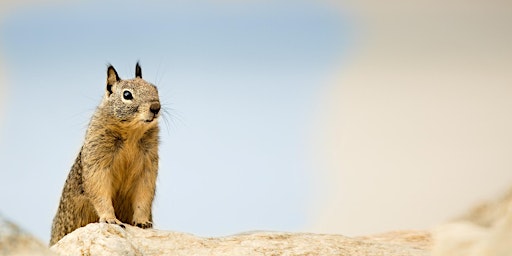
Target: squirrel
[(113, 179)]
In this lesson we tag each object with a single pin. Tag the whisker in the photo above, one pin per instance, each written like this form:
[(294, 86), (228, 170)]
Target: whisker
[(165, 117), (171, 118)]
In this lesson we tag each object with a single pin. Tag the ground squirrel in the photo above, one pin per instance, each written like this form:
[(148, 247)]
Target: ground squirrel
[(113, 178)]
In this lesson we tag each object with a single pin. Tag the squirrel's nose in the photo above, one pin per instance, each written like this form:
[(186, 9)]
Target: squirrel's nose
[(154, 108)]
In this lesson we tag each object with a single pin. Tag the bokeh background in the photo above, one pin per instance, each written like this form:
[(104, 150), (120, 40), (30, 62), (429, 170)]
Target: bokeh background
[(350, 117)]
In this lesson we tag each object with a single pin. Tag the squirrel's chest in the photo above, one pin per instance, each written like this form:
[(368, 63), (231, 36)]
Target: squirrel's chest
[(129, 162)]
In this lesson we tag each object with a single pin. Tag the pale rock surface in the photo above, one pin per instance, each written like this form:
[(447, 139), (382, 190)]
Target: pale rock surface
[(14, 241), (484, 231), (106, 239)]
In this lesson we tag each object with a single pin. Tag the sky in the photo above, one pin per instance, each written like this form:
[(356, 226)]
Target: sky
[(240, 83), (346, 117)]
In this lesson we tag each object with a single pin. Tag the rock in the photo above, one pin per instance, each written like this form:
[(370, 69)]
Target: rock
[(416, 239), (484, 231), (15, 241), (107, 239)]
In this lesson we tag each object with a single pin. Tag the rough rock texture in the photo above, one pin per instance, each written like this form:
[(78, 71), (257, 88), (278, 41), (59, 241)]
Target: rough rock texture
[(14, 241), (106, 239), (484, 231)]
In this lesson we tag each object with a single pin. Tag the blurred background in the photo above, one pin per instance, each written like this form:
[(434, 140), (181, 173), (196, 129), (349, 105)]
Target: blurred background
[(349, 117)]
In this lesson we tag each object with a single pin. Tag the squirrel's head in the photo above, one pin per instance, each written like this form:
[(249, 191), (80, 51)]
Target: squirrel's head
[(131, 101)]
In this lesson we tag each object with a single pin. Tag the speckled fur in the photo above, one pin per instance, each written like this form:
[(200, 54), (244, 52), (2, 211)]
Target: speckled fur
[(113, 178)]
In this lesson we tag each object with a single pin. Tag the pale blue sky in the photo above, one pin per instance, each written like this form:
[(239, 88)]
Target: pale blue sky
[(241, 82)]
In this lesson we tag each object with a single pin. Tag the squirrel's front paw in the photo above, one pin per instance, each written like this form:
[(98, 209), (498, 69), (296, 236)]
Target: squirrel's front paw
[(144, 225), (112, 221)]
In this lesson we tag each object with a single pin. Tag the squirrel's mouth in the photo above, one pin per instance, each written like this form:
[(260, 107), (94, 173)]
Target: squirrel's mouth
[(150, 117)]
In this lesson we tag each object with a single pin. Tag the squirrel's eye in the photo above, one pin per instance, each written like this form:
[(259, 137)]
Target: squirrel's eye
[(127, 95)]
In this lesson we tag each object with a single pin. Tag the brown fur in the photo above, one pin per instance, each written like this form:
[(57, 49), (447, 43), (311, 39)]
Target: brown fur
[(113, 178)]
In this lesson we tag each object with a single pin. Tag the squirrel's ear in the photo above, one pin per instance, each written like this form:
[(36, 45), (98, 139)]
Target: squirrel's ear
[(112, 78), (138, 70)]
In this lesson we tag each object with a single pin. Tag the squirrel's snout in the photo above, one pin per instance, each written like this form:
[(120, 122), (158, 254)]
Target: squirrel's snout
[(154, 108)]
